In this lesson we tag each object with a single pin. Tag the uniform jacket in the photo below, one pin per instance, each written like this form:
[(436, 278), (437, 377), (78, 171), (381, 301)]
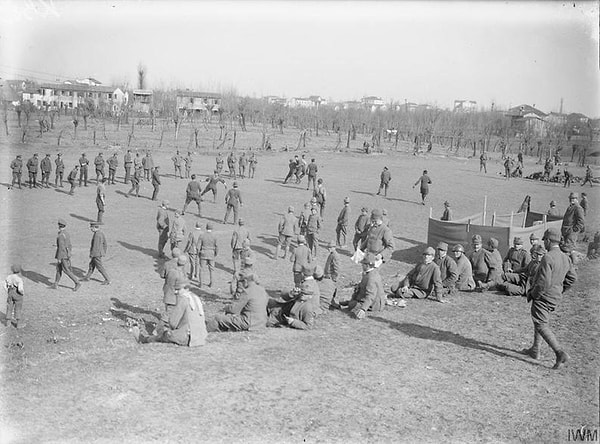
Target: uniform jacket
[(98, 245), (16, 165), (239, 235), (148, 163), (332, 266), (573, 221), (178, 229), (464, 272), (32, 165), (483, 265), (99, 163), (60, 165), (83, 162), (233, 197), (447, 215), (386, 177), (162, 219), (72, 175), (193, 190), (344, 215), (155, 178), (379, 240), (46, 165), (251, 307), (113, 163), (187, 320), (63, 246), (448, 272), (127, 159), (175, 276), (288, 225), (361, 224), (370, 293), (191, 247), (554, 275), (313, 225), (207, 245), (517, 260), (426, 277), (312, 169), (300, 257), (425, 181)]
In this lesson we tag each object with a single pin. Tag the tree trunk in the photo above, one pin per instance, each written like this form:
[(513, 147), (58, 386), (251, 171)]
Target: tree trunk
[(94, 136), (162, 133), (348, 141), (19, 118), (234, 138)]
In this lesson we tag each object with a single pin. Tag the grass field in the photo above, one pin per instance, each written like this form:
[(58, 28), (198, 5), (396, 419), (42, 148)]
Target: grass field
[(426, 373)]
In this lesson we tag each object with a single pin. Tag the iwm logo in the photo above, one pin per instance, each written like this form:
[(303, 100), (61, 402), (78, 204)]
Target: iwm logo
[(582, 435)]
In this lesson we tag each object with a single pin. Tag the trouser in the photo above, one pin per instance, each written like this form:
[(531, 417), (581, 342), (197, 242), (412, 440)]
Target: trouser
[(569, 242), (14, 306), (194, 265), (135, 186), (111, 175), (32, 180), (72, 183), (383, 186), (311, 241), (289, 175), (567, 182), (46, 178), (214, 192), (163, 237), (96, 264), (146, 174), (59, 176), (284, 241), (358, 237), (587, 179), (64, 265), (235, 209), (188, 170), (164, 318), (193, 199), (16, 178), (127, 173), (98, 174), (251, 171), (322, 209), (540, 313), (236, 257), (227, 322), (340, 234), (178, 169), (204, 263), (155, 191), (100, 213), (298, 278), (83, 176), (412, 292), (507, 174), (483, 166), (242, 171), (312, 179)]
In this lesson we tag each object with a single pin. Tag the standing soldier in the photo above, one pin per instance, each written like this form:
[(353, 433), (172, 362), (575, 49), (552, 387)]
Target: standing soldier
[(219, 163), (238, 237), (188, 164), (162, 225), (13, 284), (312, 170), (127, 163), (83, 169), (60, 170), (191, 248), (101, 199), (148, 164), (138, 167), (379, 239), (252, 165), (508, 164), (233, 200), (554, 276), (313, 227), (135, 183), (583, 203), (63, 256), (207, 246), (292, 168), (192, 194), (303, 218), (447, 215), (32, 168), (588, 176), (242, 164), (287, 228), (425, 181), (341, 229), (177, 164), (572, 224), (212, 184), (155, 182), (361, 226), (231, 164), (99, 164), (71, 179), (321, 196), (46, 167), (17, 170), (178, 230), (113, 163), (97, 251), (483, 158), (300, 258), (384, 181)]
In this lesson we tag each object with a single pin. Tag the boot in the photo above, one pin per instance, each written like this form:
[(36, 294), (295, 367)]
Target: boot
[(277, 251), (561, 359), (534, 350), (548, 335)]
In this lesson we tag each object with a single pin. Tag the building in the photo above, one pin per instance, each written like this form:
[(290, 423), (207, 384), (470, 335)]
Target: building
[(465, 106), (372, 103), (275, 100), (142, 100), (204, 102), (301, 102), (527, 119)]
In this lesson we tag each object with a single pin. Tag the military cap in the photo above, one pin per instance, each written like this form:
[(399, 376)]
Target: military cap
[(552, 203), (301, 239), (308, 270), (290, 209), (198, 224), (573, 195), (250, 260), (534, 236), (458, 247), (376, 213), (318, 273), (62, 222), (476, 239), (15, 268), (552, 234), (235, 184), (442, 246), (313, 199), (306, 289), (447, 204), (165, 203), (240, 221), (364, 210), (346, 199), (209, 226), (59, 154), (518, 241), (538, 249), (430, 251), (182, 260), (493, 242)]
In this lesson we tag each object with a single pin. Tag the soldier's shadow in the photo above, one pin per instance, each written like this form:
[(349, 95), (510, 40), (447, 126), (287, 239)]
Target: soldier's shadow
[(61, 190), (36, 277), (83, 218), (123, 306), (149, 251)]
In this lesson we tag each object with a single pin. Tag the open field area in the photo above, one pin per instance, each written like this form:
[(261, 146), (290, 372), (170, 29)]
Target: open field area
[(425, 373)]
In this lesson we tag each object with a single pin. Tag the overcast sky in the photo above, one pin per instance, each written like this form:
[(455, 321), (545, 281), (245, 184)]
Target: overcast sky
[(508, 53)]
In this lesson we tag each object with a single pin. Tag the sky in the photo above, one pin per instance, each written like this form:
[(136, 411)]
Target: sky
[(506, 53)]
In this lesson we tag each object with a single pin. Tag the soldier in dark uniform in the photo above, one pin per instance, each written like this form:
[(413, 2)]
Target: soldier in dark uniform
[(192, 194), (99, 163), (71, 179), (341, 229), (32, 168), (113, 163), (101, 199), (384, 182), (361, 227), (379, 239), (425, 181), (369, 294), (483, 162), (208, 250), (46, 168), (447, 215), (63, 256), (97, 251), (233, 200), (83, 169), (162, 225), (572, 224), (135, 183), (17, 169), (155, 182), (127, 164), (60, 170)]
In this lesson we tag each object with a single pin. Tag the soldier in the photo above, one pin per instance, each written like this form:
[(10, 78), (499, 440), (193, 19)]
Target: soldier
[(483, 158), (384, 181), (448, 271), (313, 226), (553, 211), (46, 168), (341, 229), (162, 225), (368, 295), (300, 258), (212, 184), (484, 266), (13, 284), (303, 167), (447, 215), (237, 238), (292, 168), (219, 163), (303, 218), (233, 200), (135, 183), (99, 163), (188, 164), (207, 246), (148, 165), (312, 170), (508, 164), (572, 224), (361, 227), (568, 178), (59, 171), (421, 282), (63, 256), (518, 284), (378, 239), (495, 259), (174, 275), (17, 170), (534, 240), (191, 248), (32, 168), (294, 308), (252, 162), (588, 176), (155, 182), (97, 251), (138, 167), (231, 164), (425, 181), (464, 269), (321, 195), (555, 275), (113, 163), (101, 199), (192, 194), (242, 164), (248, 313), (83, 169), (178, 231), (71, 179), (127, 163), (287, 228), (583, 203)]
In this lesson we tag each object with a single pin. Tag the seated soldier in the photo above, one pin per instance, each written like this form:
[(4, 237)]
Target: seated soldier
[(447, 269), (295, 308), (520, 286), (186, 322), (327, 290), (422, 281), (248, 313), (369, 293), (515, 264), (464, 270), (486, 267), (308, 278), (236, 287)]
